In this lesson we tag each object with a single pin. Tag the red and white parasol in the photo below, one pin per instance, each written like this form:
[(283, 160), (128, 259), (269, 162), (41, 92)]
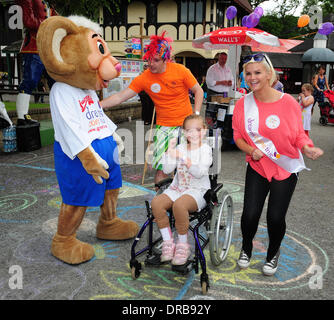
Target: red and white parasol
[(223, 38)]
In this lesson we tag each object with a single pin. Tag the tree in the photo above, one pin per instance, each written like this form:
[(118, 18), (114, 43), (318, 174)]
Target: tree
[(87, 8), (284, 27), (327, 6), (282, 7)]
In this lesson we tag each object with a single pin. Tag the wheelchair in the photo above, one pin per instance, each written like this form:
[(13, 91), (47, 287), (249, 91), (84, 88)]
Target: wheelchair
[(216, 218)]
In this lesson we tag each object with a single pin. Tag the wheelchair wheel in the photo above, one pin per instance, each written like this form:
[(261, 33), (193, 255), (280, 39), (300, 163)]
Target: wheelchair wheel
[(323, 121), (221, 228), (135, 269)]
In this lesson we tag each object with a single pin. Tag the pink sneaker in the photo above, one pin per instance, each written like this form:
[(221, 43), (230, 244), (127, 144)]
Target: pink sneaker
[(182, 253), (168, 249)]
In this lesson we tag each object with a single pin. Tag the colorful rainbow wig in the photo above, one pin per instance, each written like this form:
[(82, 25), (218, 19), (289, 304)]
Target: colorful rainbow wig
[(159, 45)]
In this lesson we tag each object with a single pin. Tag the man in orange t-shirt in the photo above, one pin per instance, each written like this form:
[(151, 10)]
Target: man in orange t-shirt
[(168, 85)]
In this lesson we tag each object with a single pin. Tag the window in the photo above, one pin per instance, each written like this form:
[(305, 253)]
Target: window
[(191, 11)]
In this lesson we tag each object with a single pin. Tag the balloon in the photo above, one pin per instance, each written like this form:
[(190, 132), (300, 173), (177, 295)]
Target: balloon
[(259, 11), (244, 21), (231, 12), (326, 28), (303, 21), (252, 20)]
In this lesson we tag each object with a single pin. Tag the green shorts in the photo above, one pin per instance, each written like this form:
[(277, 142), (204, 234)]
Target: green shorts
[(161, 138)]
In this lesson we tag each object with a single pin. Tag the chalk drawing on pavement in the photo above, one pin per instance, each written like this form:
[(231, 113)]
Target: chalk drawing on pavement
[(105, 250), (12, 205), (298, 257), (52, 277)]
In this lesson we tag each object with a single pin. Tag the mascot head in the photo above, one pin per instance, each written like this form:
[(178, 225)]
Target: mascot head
[(74, 52)]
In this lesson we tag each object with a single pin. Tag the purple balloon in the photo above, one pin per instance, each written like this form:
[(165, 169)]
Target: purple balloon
[(326, 28), (244, 21), (231, 12), (259, 11), (252, 20)]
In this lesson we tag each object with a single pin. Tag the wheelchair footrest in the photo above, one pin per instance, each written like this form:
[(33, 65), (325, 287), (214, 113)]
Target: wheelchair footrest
[(153, 260), (183, 269)]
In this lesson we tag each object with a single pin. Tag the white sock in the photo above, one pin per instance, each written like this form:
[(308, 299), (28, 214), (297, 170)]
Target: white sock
[(22, 105), (166, 234), (183, 238)]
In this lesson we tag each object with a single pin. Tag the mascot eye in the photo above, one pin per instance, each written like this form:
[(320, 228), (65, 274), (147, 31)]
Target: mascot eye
[(100, 47)]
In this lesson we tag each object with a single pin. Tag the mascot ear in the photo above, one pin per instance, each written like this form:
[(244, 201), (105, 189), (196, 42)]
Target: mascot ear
[(50, 34)]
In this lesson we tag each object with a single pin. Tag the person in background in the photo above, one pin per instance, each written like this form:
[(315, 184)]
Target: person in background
[(204, 87), (34, 13), (278, 85), (306, 101), (167, 83), (267, 126), (147, 104), (219, 77), (320, 83), (243, 83)]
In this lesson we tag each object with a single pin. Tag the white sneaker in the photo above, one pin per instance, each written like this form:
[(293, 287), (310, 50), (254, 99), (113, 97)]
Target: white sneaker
[(244, 260), (270, 267)]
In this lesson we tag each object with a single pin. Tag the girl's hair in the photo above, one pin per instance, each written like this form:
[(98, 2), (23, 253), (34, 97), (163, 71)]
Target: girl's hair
[(193, 117), (308, 87), (323, 67), (268, 65)]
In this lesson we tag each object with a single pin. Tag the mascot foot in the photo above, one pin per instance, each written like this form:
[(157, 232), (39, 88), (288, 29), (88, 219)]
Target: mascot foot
[(116, 229), (71, 250)]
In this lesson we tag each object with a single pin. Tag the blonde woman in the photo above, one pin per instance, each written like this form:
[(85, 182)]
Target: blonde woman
[(268, 128)]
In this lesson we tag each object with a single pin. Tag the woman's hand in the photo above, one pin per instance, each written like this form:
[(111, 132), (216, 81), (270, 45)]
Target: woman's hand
[(312, 152), (256, 154)]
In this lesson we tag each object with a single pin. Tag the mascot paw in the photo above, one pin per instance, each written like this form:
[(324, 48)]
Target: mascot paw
[(116, 229), (71, 250)]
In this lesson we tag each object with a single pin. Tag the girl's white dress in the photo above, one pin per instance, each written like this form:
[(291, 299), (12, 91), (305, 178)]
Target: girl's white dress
[(193, 181), (307, 115)]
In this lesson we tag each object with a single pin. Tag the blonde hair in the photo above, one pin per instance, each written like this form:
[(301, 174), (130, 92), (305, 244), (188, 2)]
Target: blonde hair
[(194, 117), (268, 65), (308, 87)]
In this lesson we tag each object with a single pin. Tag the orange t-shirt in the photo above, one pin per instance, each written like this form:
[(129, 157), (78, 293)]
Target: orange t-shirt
[(169, 91)]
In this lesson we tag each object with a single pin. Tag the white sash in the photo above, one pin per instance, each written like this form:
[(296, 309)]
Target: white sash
[(264, 144)]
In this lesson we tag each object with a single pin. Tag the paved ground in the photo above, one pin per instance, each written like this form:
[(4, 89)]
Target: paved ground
[(29, 206)]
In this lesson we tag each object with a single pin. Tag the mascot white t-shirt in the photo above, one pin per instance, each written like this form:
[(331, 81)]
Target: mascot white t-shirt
[(76, 128)]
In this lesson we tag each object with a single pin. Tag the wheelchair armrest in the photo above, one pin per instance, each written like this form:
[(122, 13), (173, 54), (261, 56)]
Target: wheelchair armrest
[(163, 182), (210, 196)]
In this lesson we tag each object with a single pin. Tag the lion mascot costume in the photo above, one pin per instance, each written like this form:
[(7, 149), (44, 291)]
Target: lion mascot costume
[(86, 146)]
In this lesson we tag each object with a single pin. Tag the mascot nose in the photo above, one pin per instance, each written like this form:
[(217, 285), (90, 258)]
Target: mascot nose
[(118, 67), (109, 68)]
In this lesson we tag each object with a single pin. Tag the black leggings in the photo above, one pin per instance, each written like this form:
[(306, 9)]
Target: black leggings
[(256, 190)]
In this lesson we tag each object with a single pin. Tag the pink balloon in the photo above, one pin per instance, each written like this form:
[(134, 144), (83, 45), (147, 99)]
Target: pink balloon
[(231, 12), (252, 20), (326, 28), (259, 11)]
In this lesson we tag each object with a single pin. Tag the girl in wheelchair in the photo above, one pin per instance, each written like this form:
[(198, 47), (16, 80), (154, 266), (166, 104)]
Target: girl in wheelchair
[(192, 161)]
